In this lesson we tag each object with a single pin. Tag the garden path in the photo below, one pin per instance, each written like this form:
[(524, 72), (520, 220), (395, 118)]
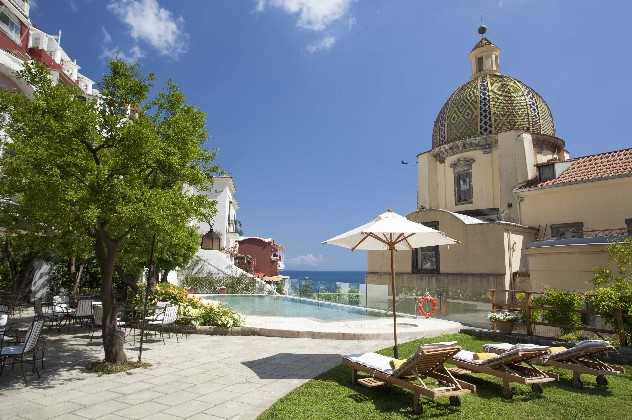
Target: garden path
[(202, 377)]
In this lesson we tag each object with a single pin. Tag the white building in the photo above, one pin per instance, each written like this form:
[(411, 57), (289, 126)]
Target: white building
[(21, 42), (225, 227)]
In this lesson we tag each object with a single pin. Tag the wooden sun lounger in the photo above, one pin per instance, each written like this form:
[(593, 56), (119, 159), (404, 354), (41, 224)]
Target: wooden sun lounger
[(427, 362), (581, 359), (513, 366)]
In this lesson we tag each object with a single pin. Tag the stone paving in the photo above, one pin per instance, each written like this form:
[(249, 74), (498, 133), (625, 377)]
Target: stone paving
[(202, 377)]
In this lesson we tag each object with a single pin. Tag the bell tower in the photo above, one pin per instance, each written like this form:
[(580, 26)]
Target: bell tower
[(485, 56)]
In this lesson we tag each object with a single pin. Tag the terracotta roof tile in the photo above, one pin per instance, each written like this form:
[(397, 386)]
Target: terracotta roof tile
[(617, 163)]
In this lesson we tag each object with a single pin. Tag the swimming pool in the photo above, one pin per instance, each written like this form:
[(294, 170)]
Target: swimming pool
[(289, 307)]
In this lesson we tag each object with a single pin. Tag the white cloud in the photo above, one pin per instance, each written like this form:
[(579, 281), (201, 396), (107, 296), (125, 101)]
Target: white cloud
[(323, 44), (315, 15), (308, 260), (133, 55), (150, 23), (110, 51), (107, 38)]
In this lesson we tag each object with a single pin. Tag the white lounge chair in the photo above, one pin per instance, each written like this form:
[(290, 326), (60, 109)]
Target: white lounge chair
[(513, 366), (427, 362), (580, 359)]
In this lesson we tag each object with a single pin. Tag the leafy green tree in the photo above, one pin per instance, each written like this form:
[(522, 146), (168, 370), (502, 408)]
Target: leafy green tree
[(105, 168), (611, 296)]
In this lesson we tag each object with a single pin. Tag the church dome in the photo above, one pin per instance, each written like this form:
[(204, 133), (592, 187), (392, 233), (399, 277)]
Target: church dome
[(490, 103)]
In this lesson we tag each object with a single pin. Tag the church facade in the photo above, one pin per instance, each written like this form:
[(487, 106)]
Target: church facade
[(500, 180)]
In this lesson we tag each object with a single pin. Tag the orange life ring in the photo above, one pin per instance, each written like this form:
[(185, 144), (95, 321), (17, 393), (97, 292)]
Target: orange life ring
[(423, 301)]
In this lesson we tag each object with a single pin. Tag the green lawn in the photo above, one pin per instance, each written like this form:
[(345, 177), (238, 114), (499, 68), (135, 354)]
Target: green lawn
[(331, 396)]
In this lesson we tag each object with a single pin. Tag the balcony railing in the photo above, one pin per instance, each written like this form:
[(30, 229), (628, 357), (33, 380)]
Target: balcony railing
[(22, 6), (234, 226), (590, 234)]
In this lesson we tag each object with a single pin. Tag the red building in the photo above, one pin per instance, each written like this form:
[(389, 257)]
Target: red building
[(265, 255)]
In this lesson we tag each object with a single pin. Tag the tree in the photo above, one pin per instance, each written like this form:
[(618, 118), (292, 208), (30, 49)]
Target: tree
[(104, 167), (611, 296)]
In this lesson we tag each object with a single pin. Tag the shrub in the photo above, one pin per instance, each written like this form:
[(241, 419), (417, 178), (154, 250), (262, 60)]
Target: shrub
[(187, 305), (504, 316), (561, 308), (611, 297), (218, 315), (200, 313), (211, 284), (279, 287)]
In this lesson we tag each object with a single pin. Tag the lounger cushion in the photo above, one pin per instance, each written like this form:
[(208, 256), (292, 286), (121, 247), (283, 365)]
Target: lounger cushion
[(373, 361), (396, 363), (383, 363), (499, 348), (468, 356), (581, 347), (484, 356)]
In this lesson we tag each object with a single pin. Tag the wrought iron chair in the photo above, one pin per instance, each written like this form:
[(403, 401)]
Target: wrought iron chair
[(97, 317), (167, 322), (4, 319), (33, 345), (55, 315), (83, 315)]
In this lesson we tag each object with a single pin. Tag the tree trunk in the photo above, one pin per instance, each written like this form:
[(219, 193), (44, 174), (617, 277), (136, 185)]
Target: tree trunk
[(106, 252), (152, 280), (77, 278)]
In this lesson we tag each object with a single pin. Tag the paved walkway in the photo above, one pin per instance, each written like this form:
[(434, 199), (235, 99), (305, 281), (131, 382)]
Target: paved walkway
[(204, 377)]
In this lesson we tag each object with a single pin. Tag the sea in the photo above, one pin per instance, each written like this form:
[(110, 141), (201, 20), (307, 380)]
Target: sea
[(326, 281)]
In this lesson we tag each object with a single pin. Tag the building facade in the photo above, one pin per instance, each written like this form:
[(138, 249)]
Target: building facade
[(500, 180), (265, 255), (21, 41), (222, 232)]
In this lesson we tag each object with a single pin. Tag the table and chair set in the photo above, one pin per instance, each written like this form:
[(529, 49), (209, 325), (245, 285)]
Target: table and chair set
[(27, 346)]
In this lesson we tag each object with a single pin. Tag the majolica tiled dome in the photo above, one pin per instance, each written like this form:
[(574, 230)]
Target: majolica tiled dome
[(491, 104)]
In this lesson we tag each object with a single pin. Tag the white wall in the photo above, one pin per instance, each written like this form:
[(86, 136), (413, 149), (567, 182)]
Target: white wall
[(226, 206)]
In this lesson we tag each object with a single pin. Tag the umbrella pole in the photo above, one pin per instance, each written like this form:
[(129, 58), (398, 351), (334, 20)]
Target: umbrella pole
[(395, 353)]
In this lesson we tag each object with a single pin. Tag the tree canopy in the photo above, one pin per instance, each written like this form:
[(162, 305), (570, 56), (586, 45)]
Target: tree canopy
[(110, 171)]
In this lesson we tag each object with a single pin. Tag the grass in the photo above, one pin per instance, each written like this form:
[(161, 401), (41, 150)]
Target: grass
[(331, 396)]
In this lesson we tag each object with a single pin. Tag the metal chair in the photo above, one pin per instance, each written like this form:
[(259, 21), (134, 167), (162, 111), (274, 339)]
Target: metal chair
[(166, 324), (55, 315), (97, 317), (32, 345), (84, 313)]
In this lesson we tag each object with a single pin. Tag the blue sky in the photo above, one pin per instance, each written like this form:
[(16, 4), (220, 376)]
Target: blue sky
[(312, 104)]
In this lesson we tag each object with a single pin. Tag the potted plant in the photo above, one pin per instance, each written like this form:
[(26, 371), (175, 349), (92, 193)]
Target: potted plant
[(504, 320)]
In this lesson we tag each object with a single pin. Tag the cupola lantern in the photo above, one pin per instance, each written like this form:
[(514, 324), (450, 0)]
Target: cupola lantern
[(485, 56)]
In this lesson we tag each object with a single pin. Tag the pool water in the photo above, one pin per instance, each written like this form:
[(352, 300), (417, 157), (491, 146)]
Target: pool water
[(281, 306)]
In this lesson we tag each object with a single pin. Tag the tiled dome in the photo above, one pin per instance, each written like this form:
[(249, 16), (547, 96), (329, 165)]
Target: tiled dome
[(491, 104)]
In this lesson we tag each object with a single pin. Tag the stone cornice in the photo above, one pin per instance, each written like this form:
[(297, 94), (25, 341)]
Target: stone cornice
[(484, 143)]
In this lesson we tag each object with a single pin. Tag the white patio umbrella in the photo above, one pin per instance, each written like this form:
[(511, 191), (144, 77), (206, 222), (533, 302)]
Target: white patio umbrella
[(391, 232)]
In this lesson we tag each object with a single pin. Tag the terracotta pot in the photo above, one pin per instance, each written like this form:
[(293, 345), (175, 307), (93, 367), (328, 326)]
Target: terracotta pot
[(504, 327)]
